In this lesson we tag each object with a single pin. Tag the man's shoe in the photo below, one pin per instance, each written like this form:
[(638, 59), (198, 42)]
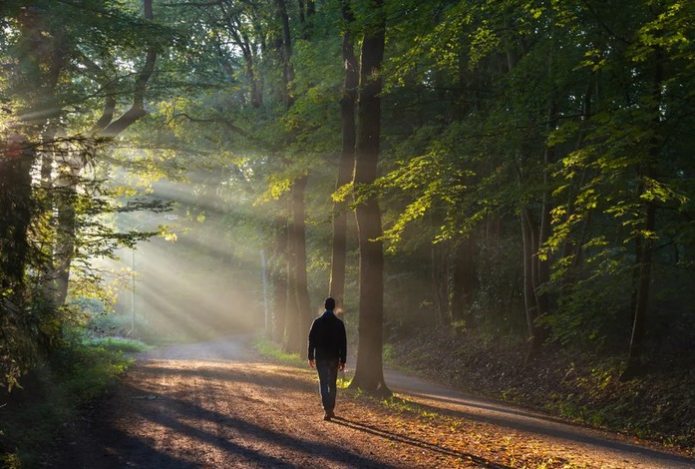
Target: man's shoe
[(327, 416)]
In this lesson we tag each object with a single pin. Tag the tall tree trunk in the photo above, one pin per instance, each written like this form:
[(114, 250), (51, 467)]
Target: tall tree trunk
[(369, 373), (291, 334), (298, 309), (336, 286), (279, 278), (66, 185), (644, 261), (16, 211), (287, 70), (541, 267), (301, 283), (439, 260), (529, 232), (465, 281)]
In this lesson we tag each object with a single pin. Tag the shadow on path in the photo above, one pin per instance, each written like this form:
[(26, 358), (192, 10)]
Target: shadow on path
[(404, 439), (458, 405), (174, 414)]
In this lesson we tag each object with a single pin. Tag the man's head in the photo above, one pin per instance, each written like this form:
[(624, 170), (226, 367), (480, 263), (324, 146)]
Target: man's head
[(329, 304)]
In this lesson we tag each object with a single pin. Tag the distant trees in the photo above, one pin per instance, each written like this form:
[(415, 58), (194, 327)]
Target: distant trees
[(558, 117)]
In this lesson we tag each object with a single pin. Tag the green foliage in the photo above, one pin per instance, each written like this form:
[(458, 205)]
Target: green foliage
[(77, 373), (272, 350), (118, 344)]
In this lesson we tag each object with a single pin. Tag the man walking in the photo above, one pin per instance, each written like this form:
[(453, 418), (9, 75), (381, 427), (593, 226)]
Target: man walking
[(327, 353)]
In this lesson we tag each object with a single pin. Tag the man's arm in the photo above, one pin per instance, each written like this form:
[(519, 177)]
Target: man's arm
[(311, 345), (343, 346)]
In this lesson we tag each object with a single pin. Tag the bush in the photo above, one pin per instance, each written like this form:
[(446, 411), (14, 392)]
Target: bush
[(52, 394)]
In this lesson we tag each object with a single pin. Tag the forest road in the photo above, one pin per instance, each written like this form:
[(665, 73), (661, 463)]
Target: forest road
[(220, 405)]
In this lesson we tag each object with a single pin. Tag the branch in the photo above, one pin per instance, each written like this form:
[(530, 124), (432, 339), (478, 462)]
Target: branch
[(194, 4), (137, 110), (229, 125), (603, 24)]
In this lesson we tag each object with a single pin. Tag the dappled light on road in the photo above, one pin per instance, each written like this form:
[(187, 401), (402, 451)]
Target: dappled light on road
[(220, 404)]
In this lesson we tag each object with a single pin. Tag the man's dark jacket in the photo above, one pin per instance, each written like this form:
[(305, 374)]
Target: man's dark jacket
[(327, 338)]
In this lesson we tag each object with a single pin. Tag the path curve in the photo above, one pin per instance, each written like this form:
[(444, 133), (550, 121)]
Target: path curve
[(220, 405), (575, 439)]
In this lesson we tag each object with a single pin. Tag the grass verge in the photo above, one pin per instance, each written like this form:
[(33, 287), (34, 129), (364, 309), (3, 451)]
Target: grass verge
[(274, 352), (53, 393)]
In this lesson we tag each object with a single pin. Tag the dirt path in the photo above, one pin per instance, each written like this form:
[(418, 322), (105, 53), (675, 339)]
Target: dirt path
[(219, 405)]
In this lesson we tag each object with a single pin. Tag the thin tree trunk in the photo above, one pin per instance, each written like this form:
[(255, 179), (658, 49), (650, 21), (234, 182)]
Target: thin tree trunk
[(291, 334), (287, 70), (369, 373), (634, 362), (530, 248), (301, 283), (440, 282), (279, 279), (464, 283)]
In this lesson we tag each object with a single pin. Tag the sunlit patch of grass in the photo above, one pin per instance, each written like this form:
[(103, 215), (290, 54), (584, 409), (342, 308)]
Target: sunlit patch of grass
[(394, 404), (274, 352), (401, 405), (58, 389), (343, 382), (118, 344)]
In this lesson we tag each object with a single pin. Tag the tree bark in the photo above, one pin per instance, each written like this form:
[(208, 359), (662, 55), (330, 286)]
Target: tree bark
[(439, 270), (279, 279), (298, 305), (301, 290), (336, 285), (291, 334), (369, 373), (634, 362), (287, 70), (16, 211), (529, 233), (464, 283)]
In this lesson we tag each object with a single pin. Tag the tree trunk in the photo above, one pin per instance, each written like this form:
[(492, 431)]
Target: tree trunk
[(634, 362), (369, 373), (301, 288), (465, 282), (439, 261), (16, 211), (291, 334), (298, 305), (279, 279), (287, 70), (66, 233), (336, 286), (529, 232)]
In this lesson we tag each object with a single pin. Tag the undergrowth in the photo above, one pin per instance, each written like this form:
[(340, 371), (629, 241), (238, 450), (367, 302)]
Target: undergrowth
[(578, 386), (54, 392), (272, 351)]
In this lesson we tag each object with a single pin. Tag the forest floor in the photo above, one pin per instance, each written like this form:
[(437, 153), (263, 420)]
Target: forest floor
[(221, 404)]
